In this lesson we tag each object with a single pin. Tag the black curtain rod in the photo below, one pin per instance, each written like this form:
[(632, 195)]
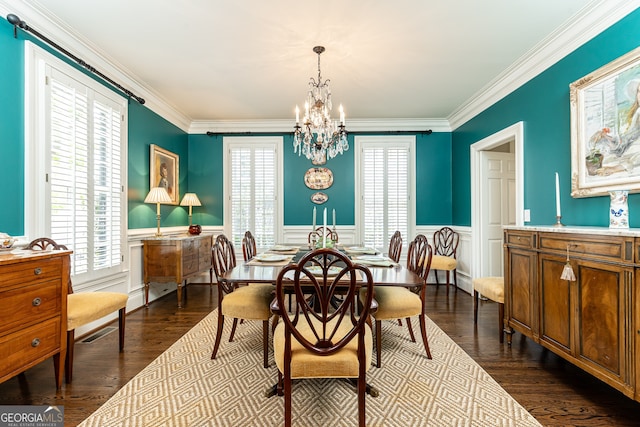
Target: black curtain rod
[(385, 132), (17, 22)]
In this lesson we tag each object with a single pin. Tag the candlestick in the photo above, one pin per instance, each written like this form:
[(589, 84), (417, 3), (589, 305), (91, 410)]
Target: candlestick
[(324, 232), (314, 219), (558, 195)]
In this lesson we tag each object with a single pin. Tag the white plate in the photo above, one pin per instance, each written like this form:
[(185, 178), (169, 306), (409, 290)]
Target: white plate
[(317, 271), (282, 248), (270, 257), (8, 249), (360, 249)]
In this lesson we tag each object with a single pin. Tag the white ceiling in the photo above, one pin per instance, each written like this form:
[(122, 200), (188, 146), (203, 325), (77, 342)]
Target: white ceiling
[(211, 61)]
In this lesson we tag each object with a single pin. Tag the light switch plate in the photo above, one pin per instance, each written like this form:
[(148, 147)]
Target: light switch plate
[(527, 215)]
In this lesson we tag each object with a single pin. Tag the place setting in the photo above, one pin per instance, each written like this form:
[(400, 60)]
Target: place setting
[(374, 260), (271, 259)]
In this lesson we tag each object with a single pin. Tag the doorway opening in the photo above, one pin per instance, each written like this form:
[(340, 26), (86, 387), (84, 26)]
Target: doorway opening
[(484, 153)]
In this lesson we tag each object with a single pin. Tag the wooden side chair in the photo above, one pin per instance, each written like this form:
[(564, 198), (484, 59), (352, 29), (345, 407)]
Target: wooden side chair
[(445, 248), (250, 302), (395, 246), (249, 249), (85, 307), (395, 302), (318, 234), (321, 341)]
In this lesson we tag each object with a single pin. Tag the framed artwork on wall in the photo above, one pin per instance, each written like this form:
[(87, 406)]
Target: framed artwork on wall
[(605, 129), (164, 171)]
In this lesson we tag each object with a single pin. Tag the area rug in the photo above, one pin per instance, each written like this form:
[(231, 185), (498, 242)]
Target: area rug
[(184, 387)]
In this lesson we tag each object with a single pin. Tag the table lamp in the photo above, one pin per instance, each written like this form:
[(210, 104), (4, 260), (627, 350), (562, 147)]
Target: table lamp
[(158, 195), (190, 199)]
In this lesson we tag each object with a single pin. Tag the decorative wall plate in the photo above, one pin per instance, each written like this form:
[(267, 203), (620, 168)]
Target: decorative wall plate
[(318, 178), (319, 198)]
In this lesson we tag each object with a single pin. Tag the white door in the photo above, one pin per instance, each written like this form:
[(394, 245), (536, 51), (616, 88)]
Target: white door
[(498, 206)]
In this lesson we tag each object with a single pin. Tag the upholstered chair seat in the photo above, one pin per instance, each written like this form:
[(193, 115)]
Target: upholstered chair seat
[(440, 262), (249, 302), (304, 364), (87, 307), (395, 302), (491, 288)]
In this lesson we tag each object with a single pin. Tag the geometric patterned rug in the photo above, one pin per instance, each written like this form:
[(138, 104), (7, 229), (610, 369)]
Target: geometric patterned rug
[(183, 387)]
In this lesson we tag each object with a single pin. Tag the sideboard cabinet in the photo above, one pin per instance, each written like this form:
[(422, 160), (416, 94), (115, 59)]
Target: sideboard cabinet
[(33, 310), (176, 259), (594, 321)]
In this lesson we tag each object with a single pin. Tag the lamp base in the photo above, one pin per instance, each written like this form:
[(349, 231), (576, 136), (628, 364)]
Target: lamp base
[(195, 229)]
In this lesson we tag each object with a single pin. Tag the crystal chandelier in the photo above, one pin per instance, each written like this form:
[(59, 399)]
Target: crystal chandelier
[(330, 136)]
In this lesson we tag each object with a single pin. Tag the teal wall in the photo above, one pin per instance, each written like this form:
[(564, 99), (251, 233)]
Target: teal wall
[(11, 131), (543, 105)]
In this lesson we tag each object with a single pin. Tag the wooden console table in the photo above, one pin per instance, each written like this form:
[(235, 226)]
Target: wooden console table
[(33, 310), (593, 322), (175, 259)]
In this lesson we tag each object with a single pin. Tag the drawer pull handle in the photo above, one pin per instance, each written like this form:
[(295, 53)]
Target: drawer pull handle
[(36, 301), (37, 271), (35, 342)]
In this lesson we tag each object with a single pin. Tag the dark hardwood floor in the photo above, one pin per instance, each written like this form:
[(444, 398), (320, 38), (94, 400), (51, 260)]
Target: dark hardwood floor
[(554, 391)]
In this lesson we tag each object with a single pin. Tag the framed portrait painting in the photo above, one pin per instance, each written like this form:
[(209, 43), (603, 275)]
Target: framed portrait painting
[(164, 171), (605, 129)]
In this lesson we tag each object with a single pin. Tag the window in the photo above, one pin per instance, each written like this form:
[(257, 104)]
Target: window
[(252, 192), (75, 134), (384, 171)]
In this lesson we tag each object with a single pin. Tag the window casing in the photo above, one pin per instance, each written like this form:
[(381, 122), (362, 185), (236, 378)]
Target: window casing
[(253, 189), (384, 178), (75, 174)]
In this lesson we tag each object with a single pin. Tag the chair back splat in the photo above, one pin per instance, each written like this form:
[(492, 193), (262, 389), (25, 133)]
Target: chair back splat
[(249, 249), (395, 246), (445, 242), (326, 336)]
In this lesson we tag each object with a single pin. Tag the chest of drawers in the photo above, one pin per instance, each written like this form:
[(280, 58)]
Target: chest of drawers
[(33, 311)]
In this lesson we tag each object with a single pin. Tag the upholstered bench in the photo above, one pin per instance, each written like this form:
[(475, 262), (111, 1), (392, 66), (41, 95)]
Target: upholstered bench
[(491, 288)]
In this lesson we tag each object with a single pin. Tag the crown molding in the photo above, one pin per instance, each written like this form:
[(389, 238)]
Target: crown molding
[(286, 126), (593, 19)]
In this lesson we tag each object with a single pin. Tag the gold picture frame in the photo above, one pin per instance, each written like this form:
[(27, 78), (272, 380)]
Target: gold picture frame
[(164, 171), (605, 129)]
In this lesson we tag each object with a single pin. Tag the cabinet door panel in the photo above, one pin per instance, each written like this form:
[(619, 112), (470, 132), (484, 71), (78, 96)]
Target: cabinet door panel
[(599, 293), (556, 318), (522, 266)]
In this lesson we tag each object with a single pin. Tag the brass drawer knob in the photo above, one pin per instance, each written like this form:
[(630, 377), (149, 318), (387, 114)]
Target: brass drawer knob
[(36, 301), (37, 271), (35, 342)]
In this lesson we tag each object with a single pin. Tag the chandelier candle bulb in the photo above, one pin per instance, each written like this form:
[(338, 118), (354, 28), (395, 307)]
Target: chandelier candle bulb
[(297, 115), (341, 115)]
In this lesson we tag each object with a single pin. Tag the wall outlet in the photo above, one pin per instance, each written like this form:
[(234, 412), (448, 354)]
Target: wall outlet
[(527, 215)]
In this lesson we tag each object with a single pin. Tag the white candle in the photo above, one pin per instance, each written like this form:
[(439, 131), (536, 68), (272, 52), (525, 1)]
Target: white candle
[(158, 209), (341, 115), (324, 234), (334, 219), (297, 115), (314, 219), (557, 195)]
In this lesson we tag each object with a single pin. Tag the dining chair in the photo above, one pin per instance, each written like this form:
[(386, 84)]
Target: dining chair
[(319, 233), (321, 341), (445, 248), (396, 302), (85, 307), (250, 302), (248, 246)]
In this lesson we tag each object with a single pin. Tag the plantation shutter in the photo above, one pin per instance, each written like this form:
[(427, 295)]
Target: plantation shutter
[(253, 192), (85, 173), (385, 193)]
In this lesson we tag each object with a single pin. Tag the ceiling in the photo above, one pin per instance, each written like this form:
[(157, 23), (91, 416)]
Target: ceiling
[(249, 60)]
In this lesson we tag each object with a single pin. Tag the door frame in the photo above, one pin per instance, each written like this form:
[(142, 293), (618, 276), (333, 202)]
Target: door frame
[(514, 133)]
